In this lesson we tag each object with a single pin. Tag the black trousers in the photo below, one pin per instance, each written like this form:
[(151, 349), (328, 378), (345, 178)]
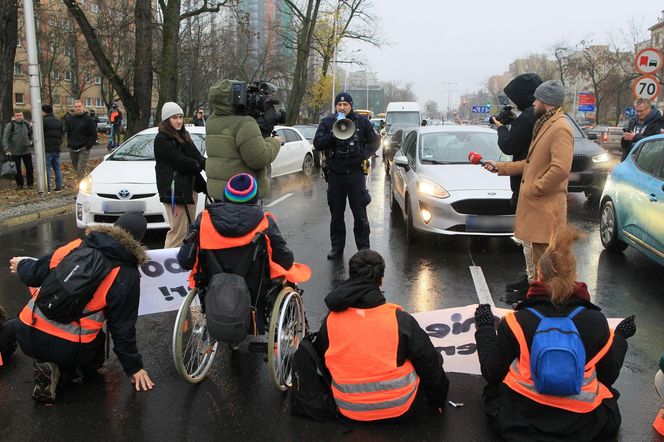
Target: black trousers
[(29, 173), (349, 186)]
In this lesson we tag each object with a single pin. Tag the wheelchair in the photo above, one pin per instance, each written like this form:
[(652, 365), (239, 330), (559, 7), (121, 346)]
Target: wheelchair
[(279, 305)]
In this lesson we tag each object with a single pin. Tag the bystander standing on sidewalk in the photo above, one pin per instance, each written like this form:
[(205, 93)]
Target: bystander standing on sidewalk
[(17, 139), (81, 136), (199, 118), (53, 130), (115, 119)]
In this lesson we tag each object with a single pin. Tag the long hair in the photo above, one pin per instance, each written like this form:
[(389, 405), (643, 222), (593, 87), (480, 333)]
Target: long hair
[(558, 264), (181, 135)]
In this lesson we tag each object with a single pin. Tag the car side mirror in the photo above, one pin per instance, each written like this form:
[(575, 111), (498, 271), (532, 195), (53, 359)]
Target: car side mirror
[(402, 161), (592, 136)]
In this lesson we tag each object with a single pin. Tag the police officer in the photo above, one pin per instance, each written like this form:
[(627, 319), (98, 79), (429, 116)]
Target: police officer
[(345, 175)]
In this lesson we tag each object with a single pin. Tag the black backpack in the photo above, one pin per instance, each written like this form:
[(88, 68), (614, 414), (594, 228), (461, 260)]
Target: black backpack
[(71, 284), (311, 395)]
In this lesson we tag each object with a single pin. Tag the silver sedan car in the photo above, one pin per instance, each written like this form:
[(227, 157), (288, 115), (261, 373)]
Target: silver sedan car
[(437, 190)]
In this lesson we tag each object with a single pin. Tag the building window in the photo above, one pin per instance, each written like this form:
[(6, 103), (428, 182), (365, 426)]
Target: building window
[(97, 79), (68, 51), (70, 101), (86, 78), (19, 97), (94, 7), (18, 69), (88, 102), (53, 47), (68, 76), (99, 102), (55, 75)]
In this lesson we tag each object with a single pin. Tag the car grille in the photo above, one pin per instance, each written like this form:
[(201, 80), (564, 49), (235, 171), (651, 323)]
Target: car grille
[(484, 207), (151, 219), (579, 163), (138, 196)]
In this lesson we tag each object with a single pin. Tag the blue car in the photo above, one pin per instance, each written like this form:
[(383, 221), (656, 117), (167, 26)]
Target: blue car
[(632, 204)]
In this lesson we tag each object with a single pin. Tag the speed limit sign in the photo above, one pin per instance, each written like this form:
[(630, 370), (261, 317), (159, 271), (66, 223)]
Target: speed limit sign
[(646, 87)]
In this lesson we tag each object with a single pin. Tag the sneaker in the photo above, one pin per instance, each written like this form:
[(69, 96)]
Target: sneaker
[(46, 376), (19, 187), (519, 284), (58, 189)]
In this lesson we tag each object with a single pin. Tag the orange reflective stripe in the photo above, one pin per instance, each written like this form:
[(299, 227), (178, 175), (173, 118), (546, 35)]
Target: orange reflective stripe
[(591, 363), (658, 424), (63, 251)]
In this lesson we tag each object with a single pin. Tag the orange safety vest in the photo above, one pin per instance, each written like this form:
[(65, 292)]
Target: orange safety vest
[(658, 424), (367, 385), (113, 116), (210, 239), (84, 330), (519, 379)]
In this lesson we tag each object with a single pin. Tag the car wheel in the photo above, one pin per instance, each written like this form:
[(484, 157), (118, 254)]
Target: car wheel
[(394, 206), (593, 194), (308, 164), (411, 233), (608, 229), (268, 172), (317, 158)]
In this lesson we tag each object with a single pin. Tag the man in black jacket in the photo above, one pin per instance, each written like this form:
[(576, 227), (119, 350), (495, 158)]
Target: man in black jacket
[(515, 140), (49, 343), (344, 173), (361, 291), (648, 121), (53, 130), (81, 136)]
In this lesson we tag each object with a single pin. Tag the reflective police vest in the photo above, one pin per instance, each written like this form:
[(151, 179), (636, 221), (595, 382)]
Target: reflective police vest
[(84, 330), (210, 239), (362, 358), (519, 379)]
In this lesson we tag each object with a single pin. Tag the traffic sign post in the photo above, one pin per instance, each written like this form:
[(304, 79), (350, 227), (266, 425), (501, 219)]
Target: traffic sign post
[(646, 87), (648, 61), (480, 109), (586, 102)]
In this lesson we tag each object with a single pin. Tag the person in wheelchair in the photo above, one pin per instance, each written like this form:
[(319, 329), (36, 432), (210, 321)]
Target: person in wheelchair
[(224, 229)]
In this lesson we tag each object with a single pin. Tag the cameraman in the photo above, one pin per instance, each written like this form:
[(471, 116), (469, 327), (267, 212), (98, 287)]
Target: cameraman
[(345, 175), (236, 143), (515, 140)]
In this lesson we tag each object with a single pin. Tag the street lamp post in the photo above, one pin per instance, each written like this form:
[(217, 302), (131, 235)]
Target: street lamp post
[(449, 92)]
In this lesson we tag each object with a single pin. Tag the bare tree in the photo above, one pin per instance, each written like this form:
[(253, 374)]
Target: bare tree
[(8, 43), (395, 92), (562, 52)]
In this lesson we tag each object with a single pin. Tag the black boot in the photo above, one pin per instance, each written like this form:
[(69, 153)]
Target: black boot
[(520, 284), (335, 254)]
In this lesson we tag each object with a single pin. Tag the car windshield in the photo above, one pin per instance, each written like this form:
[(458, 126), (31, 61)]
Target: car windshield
[(454, 147), (103, 119), (402, 120), (307, 131), (140, 147), (575, 128)]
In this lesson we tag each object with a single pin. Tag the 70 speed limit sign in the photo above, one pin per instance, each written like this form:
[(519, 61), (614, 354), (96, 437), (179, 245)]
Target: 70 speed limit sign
[(646, 87)]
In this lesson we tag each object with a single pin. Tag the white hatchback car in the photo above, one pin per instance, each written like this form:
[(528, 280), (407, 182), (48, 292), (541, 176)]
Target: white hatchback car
[(437, 190), (125, 180)]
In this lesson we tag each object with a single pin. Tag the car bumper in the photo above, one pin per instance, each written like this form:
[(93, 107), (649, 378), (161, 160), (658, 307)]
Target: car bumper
[(587, 181)]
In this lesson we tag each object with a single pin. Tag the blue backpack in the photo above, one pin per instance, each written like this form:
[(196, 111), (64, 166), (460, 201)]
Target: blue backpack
[(557, 355)]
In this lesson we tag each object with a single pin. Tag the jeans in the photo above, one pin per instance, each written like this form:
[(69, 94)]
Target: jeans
[(53, 162)]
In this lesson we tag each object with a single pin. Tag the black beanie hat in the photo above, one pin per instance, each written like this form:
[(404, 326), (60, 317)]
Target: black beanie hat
[(366, 264), (134, 223), (47, 108), (343, 96)]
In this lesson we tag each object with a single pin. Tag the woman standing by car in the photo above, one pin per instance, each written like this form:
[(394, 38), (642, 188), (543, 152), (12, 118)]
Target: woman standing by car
[(178, 166)]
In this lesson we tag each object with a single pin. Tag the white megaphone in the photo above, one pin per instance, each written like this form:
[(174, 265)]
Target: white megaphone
[(343, 128)]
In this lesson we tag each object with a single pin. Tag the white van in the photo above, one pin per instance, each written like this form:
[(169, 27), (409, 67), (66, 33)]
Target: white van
[(402, 115)]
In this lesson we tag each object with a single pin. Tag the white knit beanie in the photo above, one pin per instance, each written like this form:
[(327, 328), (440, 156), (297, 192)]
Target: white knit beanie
[(169, 110)]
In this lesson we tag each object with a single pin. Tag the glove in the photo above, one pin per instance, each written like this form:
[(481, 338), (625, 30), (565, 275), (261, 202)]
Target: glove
[(626, 327), (483, 315)]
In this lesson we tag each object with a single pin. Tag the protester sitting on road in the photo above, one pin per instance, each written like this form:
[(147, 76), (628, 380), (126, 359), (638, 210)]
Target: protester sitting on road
[(76, 349), (178, 166), (658, 424), (383, 365), (7, 337), (535, 392), (17, 140)]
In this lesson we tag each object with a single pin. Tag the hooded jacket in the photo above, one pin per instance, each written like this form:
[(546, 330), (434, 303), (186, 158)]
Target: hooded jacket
[(651, 125), (520, 418), (516, 140), (17, 138), (53, 130), (235, 145), (180, 162), (414, 344), (123, 297)]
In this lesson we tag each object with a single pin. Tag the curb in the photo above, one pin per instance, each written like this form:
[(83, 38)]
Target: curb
[(31, 217)]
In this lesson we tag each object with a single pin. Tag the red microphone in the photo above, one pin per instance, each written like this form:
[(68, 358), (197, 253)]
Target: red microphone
[(476, 158)]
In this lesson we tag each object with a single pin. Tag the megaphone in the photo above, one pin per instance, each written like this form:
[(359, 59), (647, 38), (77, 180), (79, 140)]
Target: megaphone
[(343, 128)]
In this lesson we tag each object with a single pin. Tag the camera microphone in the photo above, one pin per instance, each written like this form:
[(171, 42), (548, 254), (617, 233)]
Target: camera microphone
[(476, 158)]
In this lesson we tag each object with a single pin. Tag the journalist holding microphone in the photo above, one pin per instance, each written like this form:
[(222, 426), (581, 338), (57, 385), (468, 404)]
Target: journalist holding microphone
[(348, 140)]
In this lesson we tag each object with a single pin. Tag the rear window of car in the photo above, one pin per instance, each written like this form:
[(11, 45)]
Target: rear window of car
[(308, 132), (454, 147), (140, 147)]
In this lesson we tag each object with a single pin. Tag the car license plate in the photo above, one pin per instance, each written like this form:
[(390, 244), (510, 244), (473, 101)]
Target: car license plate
[(496, 224), (574, 177), (122, 206)]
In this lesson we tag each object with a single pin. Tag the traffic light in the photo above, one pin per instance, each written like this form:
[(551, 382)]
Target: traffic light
[(488, 104)]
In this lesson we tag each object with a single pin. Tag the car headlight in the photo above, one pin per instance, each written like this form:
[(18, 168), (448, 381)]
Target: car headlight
[(432, 189), (601, 158), (85, 185), (386, 142)]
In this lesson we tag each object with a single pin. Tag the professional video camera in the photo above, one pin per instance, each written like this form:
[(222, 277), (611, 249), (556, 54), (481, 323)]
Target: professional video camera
[(506, 115), (256, 100)]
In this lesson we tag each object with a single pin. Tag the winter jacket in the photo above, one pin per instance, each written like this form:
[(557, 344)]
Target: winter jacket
[(520, 418), (123, 296), (17, 138), (651, 125), (414, 344), (53, 130), (543, 193), (181, 162), (346, 156), (516, 139), (198, 121), (81, 131), (235, 145)]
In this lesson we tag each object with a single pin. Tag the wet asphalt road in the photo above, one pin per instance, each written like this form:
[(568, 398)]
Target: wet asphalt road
[(238, 401)]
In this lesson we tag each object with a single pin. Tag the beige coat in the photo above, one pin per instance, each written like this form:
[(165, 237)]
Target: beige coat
[(543, 196)]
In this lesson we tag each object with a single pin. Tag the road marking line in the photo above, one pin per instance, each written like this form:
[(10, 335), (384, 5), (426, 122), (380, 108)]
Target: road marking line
[(277, 201), (481, 288)]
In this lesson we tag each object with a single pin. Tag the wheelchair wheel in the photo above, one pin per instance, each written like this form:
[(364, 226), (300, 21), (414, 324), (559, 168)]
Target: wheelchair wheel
[(193, 348), (285, 334)]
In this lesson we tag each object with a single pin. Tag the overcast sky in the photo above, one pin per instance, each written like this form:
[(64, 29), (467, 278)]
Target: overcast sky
[(465, 41)]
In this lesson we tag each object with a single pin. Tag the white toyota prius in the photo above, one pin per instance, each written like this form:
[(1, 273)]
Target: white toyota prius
[(125, 180)]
